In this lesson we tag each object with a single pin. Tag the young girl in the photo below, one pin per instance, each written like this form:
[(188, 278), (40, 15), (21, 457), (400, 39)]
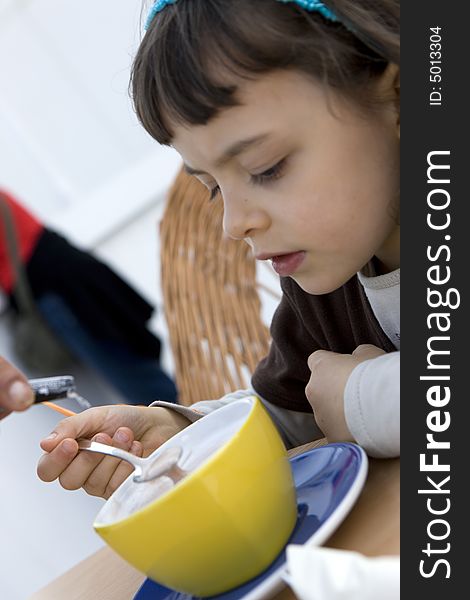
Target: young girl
[(288, 112)]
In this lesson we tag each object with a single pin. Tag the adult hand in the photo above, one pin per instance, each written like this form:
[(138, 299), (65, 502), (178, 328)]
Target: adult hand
[(15, 392), (325, 390), (137, 429)]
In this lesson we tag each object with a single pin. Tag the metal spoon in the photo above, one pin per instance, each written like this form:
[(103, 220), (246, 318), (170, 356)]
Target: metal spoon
[(145, 469)]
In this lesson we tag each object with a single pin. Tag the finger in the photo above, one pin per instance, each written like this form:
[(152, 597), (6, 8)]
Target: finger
[(366, 351), (123, 471), (51, 465), (317, 357), (309, 393), (78, 470), (65, 456), (4, 413), (97, 482), (86, 424), (15, 392)]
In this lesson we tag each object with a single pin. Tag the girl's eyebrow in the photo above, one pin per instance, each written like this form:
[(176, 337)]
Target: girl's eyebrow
[(232, 151)]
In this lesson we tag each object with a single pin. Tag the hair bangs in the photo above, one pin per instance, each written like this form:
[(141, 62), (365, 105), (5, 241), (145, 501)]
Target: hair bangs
[(196, 52)]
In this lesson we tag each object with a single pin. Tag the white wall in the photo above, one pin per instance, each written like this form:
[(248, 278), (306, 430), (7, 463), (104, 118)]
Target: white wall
[(68, 134)]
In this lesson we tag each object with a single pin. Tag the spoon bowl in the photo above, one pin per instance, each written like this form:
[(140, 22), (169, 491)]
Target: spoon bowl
[(234, 510)]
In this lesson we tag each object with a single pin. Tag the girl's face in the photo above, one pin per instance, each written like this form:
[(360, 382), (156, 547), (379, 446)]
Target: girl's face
[(305, 178)]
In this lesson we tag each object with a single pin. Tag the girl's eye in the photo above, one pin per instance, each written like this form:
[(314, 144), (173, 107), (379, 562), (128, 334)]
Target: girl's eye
[(214, 193), (270, 174)]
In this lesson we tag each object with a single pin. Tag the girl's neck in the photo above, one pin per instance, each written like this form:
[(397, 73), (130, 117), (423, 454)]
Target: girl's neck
[(388, 258)]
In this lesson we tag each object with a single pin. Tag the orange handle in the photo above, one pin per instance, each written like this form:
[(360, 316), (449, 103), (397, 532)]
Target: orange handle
[(59, 409)]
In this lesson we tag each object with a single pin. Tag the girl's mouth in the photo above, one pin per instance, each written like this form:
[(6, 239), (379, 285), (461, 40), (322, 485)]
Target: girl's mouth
[(287, 264)]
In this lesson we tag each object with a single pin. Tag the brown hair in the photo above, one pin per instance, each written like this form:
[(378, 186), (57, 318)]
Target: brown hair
[(176, 76)]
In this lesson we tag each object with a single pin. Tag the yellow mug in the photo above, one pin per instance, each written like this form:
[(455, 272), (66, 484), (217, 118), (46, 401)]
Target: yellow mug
[(226, 521)]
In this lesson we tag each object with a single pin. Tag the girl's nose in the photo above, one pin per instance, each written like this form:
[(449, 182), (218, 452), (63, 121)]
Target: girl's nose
[(242, 219)]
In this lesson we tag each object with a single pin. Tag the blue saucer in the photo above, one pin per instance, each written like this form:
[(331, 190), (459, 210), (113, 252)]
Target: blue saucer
[(328, 481)]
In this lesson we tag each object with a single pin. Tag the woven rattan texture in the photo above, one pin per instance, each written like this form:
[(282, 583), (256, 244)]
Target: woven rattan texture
[(211, 301)]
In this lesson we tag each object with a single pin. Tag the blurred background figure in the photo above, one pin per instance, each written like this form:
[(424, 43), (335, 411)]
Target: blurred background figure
[(96, 316)]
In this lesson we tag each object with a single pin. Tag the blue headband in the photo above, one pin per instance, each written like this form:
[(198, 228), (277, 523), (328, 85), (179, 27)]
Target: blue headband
[(309, 5)]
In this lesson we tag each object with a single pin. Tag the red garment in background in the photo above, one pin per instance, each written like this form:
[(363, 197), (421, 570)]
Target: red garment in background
[(28, 230)]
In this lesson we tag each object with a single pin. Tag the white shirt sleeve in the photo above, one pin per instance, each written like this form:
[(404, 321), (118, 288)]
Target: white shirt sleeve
[(372, 405), (295, 427)]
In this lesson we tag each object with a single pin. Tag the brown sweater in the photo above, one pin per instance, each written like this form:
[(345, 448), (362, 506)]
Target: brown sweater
[(339, 321)]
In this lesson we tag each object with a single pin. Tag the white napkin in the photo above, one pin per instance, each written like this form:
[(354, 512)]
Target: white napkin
[(316, 573)]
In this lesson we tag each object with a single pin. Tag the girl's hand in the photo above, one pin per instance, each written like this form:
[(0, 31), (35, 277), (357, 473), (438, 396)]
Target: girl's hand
[(325, 390), (15, 392), (137, 429)]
